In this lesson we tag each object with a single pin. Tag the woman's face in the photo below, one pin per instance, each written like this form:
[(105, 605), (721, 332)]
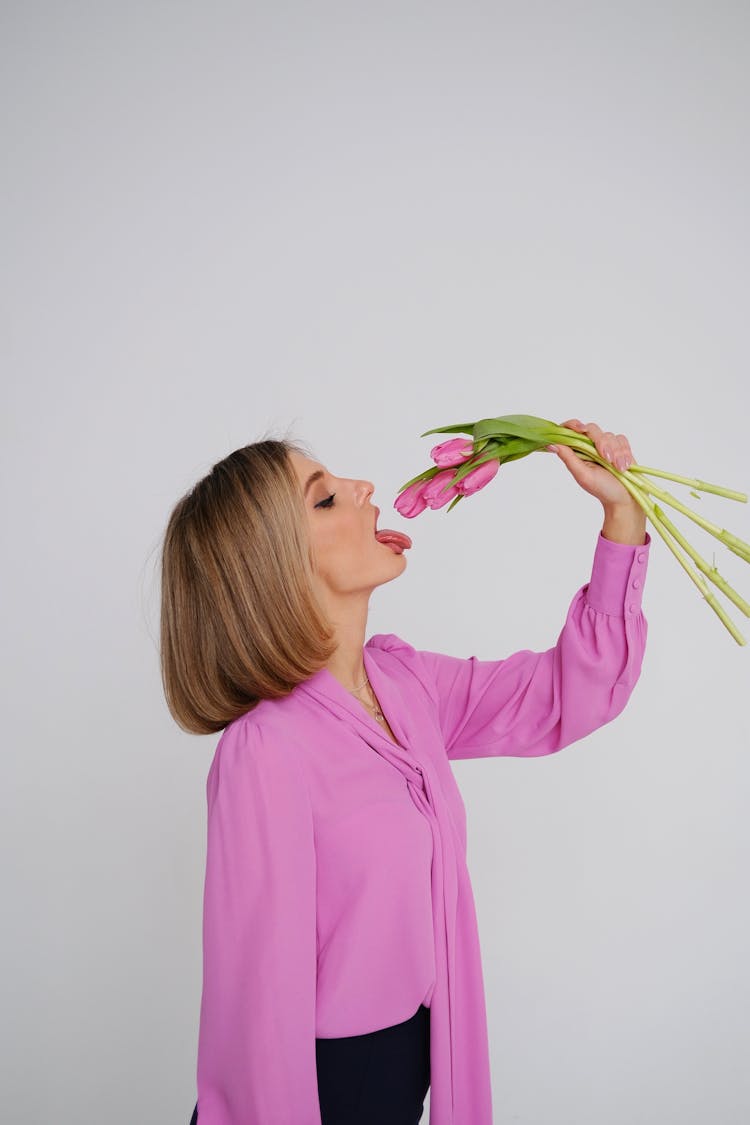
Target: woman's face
[(341, 519)]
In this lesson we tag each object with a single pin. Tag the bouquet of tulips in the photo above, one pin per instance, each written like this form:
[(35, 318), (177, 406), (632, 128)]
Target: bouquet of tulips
[(465, 465)]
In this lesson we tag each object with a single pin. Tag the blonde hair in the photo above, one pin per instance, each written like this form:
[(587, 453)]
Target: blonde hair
[(240, 620)]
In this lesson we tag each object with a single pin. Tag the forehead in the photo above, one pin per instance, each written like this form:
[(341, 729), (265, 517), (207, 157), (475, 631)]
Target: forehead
[(303, 466)]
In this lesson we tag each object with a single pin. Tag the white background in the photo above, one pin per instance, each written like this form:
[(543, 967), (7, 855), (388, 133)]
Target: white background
[(359, 222)]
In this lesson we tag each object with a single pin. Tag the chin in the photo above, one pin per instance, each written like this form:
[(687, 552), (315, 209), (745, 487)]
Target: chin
[(385, 573), (400, 566)]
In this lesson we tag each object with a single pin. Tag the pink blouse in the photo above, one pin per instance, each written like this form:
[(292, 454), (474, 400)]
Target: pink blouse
[(337, 897)]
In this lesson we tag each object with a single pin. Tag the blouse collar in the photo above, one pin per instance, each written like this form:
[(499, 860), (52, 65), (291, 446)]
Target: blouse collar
[(327, 689)]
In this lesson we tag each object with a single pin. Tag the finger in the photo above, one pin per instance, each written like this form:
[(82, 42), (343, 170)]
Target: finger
[(606, 443), (598, 436), (614, 448), (570, 424), (624, 456), (576, 465), (593, 431)]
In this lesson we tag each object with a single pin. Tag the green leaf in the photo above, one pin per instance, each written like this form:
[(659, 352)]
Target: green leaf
[(461, 428), (526, 426), (431, 472)]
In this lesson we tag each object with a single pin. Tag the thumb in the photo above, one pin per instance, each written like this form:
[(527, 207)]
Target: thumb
[(569, 457)]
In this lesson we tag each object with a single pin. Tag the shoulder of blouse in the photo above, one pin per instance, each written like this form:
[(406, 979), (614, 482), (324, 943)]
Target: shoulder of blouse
[(390, 642), (263, 736)]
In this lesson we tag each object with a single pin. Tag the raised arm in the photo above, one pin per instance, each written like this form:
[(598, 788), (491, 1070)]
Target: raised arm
[(256, 1045), (534, 703)]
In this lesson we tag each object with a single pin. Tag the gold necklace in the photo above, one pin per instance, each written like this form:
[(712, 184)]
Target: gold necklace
[(372, 706)]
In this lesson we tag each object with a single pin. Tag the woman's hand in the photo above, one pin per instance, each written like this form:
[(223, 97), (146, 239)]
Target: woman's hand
[(594, 478)]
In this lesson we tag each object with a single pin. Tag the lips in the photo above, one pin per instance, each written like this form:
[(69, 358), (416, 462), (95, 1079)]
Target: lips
[(395, 539)]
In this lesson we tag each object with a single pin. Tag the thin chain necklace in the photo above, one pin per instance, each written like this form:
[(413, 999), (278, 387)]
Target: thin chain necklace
[(372, 706)]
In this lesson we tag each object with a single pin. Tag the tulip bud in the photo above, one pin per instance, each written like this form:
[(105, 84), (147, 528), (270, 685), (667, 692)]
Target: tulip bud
[(452, 452), (436, 494), (478, 477), (411, 501)]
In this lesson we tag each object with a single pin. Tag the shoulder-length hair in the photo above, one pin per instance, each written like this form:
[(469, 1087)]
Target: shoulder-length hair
[(240, 621)]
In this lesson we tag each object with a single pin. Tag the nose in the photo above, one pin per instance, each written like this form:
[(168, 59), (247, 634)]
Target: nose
[(365, 490)]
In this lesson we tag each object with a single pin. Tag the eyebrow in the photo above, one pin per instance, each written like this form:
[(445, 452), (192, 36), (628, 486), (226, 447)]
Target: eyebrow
[(313, 477)]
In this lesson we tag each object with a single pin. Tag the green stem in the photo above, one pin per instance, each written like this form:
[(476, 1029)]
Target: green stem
[(692, 482), (710, 571), (656, 516), (638, 492), (732, 542)]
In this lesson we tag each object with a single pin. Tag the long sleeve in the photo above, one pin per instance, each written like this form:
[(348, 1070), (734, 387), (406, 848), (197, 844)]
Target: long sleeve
[(534, 703), (256, 1042)]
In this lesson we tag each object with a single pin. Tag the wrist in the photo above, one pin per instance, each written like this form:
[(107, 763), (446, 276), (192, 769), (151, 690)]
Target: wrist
[(625, 523)]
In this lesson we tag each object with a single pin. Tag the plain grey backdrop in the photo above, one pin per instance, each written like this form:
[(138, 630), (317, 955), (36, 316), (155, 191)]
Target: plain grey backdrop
[(356, 222)]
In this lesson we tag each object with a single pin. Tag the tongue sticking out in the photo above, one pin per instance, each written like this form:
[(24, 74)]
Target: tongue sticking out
[(394, 539)]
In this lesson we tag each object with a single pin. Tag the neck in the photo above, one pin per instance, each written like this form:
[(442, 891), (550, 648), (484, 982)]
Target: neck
[(347, 663)]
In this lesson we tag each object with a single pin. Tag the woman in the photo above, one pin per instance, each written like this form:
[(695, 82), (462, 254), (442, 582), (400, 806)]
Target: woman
[(342, 973)]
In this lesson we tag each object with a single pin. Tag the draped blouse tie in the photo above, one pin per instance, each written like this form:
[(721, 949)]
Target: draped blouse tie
[(460, 1084)]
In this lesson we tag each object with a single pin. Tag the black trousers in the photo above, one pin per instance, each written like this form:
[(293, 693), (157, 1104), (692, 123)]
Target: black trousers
[(379, 1078)]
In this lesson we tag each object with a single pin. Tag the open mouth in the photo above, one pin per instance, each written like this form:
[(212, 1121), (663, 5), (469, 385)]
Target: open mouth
[(396, 540)]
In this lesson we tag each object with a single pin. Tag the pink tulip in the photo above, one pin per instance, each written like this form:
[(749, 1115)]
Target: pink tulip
[(436, 494), (478, 477), (452, 452), (411, 501)]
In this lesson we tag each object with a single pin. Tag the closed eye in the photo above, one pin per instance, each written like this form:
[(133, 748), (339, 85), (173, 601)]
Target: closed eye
[(327, 503)]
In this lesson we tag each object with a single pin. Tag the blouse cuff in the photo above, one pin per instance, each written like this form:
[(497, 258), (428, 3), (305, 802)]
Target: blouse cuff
[(618, 576)]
